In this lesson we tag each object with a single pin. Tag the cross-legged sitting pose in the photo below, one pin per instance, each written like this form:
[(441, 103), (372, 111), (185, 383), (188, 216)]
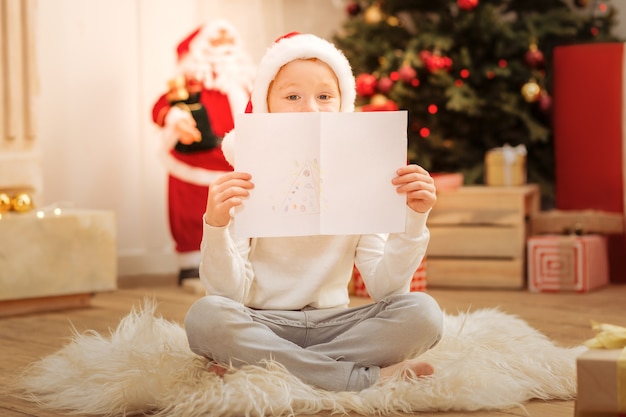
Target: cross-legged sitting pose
[(286, 298)]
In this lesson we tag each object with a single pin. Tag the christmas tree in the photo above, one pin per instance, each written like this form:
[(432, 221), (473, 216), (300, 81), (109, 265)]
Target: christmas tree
[(473, 74)]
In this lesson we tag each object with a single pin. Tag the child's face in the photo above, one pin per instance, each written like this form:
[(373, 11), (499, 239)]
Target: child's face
[(304, 86)]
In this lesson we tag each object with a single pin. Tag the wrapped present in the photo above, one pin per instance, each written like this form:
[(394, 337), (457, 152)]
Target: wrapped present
[(567, 263), (589, 99), (602, 374), (601, 383), (418, 283), (505, 166)]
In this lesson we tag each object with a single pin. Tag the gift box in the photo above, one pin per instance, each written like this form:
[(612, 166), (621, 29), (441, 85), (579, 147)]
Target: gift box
[(418, 283), (567, 263), (601, 383), (589, 134), (505, 166)]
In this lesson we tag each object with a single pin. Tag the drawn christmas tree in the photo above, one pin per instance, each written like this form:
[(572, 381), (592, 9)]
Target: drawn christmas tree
[(303, 195)]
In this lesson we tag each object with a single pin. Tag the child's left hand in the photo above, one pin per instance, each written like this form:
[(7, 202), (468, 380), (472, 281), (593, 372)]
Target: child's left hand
[(418, 185)]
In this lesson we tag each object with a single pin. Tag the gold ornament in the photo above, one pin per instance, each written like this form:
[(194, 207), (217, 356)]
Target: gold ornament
[(5, 202), (378, 100), (393, 21), (22, 202), (531, 91), (373, 14)]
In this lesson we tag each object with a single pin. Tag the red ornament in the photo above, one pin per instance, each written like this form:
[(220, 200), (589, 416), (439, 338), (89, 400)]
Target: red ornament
[(534, 57), (407, 73), (353, 8), (385, 85), (545, 102), (365, 85), (435, 62), (467, 4)]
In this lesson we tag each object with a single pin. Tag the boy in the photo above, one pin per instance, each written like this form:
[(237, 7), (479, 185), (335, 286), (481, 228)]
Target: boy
[(286, 298)]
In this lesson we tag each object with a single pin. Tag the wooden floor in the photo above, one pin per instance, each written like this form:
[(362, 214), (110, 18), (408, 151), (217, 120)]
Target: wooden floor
[(564, 318)]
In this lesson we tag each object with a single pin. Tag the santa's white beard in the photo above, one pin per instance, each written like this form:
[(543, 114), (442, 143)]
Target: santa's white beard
[(223, 69)]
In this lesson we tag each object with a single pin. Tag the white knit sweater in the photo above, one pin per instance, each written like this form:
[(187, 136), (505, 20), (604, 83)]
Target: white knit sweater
[(291, 273)]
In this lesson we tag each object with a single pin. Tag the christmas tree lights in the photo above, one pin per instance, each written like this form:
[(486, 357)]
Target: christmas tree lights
[(484, 65)]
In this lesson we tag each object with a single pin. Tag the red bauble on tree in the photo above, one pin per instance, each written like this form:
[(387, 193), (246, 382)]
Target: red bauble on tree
[(353, 8), (407, 73), (365, 85), (467, 4), (545, 102), (385, 85), (534, 57), (435, 62)]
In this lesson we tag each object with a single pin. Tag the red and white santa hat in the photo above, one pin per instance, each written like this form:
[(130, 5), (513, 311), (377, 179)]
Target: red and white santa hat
[(294, 46), (285, 49)]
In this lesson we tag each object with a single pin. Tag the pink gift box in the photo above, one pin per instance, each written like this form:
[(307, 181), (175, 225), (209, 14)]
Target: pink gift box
[(567, 263)]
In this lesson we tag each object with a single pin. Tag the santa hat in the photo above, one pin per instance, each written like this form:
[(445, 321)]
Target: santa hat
[(183, 48), (302, 46), (284, 50)]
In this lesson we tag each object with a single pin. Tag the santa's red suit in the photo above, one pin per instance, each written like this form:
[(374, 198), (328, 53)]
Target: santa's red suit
[(212, 85)]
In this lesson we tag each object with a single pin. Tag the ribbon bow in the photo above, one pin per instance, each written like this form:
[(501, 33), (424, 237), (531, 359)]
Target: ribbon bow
[(510, 153), (609, 336)]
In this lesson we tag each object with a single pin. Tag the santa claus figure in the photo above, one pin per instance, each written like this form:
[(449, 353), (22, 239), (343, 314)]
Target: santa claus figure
[(213, 83)]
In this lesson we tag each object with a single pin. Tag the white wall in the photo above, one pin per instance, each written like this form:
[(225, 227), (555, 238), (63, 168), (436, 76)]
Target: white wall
[(101, 64)]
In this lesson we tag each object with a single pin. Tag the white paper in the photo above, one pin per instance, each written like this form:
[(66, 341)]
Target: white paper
[(321, 173)]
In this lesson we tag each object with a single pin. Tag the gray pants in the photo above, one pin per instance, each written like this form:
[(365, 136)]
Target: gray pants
[(334, 349)]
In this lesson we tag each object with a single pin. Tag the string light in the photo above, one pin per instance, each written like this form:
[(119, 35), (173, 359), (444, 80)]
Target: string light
[(55, 210)]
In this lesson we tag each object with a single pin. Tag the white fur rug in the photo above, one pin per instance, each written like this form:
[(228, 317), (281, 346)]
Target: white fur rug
[(486, 360)]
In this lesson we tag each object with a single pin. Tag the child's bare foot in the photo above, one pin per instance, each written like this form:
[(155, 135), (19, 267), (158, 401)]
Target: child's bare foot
[(404, 367), (217, 369)]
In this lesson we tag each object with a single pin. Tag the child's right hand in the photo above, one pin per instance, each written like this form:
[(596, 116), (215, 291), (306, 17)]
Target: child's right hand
[(226, 192)]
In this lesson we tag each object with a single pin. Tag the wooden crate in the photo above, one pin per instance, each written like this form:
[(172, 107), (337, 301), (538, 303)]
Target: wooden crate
[(577, 221), (478, 236)]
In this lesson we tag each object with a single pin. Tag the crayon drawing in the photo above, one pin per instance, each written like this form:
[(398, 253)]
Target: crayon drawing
[(303, 194)]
